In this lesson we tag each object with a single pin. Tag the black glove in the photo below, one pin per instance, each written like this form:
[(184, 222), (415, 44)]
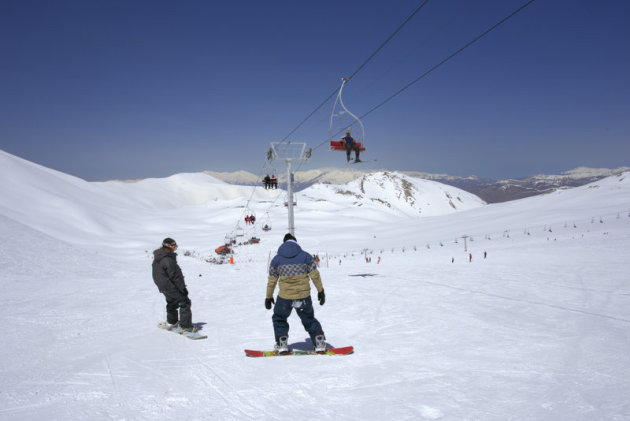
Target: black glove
[(185, 292), (269, 302), (321, 296)]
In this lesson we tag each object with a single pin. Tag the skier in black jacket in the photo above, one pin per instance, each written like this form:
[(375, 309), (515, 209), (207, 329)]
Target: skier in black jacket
[(169, 279)]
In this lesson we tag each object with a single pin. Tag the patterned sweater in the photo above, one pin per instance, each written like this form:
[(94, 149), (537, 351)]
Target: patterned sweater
[(293, 268)]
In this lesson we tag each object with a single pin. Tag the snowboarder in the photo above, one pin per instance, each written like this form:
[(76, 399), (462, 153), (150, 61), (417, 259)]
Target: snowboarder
[(349, 143), (169, 279), (292, 268)]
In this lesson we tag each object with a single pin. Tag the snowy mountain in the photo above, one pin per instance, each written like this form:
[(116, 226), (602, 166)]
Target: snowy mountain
[(491, 191), (516, 310), (36, 194), (395, 192)]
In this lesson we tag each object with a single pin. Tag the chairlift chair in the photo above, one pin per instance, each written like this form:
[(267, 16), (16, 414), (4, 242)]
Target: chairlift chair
[(341, 120), (267, 223)]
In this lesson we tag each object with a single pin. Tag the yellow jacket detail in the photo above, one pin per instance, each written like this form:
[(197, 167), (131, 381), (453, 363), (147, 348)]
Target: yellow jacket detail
[(293, 269)]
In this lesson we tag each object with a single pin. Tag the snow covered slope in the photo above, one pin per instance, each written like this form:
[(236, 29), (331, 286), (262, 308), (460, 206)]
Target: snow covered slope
[(536, 330), (72, 209)]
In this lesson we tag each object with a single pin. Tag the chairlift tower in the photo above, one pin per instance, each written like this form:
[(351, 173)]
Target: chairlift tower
[(289, 152), (465, 237)]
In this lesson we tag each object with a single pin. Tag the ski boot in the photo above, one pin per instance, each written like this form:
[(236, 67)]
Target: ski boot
[(191, 329), (320, 344), (282, 345)]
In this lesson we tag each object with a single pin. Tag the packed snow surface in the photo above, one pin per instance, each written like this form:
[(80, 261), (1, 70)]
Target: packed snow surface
[(536, 330)]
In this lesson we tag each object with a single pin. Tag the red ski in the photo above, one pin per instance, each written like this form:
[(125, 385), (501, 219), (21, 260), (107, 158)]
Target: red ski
[(346, 350)]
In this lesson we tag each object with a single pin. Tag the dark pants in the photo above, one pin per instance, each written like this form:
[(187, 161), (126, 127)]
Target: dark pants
[(178, 309), (304, 308), (349, 150)]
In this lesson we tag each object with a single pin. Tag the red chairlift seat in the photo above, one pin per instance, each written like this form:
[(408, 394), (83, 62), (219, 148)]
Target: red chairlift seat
[(336, 145)]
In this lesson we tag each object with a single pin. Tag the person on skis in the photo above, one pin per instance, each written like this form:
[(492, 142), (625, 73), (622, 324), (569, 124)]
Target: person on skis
[(293, 269), (169, 279), (349, 143)]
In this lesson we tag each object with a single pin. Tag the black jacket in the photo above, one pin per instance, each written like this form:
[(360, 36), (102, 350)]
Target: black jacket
[(167, 274)]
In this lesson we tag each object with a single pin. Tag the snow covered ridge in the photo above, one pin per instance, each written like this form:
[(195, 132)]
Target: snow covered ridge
[(491, 191), (397, 193), (77, 211)]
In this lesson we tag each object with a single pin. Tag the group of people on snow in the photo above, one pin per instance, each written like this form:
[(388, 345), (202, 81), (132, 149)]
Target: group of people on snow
[(291, 270), (270, 182)]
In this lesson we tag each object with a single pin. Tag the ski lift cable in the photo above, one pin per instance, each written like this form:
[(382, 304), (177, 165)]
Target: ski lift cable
[(464, 10), (435, 67), (251, 196), (422, 76), (365, 62), (273, 203), (380, 47), (310, 115), (382, 103)]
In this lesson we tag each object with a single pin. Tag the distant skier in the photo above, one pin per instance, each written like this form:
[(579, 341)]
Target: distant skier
[(274, 181), (169, 279), (349, 143), (292, 268)]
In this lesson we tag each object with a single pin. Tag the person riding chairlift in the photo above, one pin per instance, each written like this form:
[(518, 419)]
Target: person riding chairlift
[(349, 143)]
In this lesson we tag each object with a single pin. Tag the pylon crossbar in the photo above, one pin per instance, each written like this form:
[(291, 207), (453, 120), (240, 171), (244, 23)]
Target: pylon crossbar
[(288, 151)]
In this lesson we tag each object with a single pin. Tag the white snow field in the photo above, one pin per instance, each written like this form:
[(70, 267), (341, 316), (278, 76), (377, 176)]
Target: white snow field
[(538, 330)]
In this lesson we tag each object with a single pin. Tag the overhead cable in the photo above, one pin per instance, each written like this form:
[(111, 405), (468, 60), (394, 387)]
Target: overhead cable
[(380, 47), (387, 40), (477, 38)]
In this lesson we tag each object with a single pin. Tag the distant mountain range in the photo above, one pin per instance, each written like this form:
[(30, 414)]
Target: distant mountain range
[(491, 191)]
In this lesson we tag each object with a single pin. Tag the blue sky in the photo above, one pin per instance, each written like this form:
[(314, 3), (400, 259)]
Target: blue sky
[(133, 89)]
